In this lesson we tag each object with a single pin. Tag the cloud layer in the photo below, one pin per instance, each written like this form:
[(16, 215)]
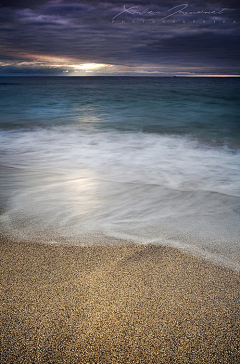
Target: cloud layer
[(63, 37)]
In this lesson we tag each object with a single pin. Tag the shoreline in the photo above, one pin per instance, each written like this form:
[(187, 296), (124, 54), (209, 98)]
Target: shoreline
[(116, 304)]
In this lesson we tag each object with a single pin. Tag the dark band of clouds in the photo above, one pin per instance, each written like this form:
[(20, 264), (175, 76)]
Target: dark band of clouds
[(77, 37)]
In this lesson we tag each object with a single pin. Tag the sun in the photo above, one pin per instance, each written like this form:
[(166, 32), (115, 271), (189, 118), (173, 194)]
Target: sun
[(89, 66)]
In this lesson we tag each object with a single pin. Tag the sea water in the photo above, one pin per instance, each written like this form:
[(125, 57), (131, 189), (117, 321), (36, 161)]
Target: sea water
[(95, 160)]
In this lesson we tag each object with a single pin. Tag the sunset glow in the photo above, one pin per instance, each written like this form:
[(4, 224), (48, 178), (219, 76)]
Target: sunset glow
[(89, 66)]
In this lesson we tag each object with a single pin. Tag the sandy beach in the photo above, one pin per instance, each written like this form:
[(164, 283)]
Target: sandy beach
[(116, 304)]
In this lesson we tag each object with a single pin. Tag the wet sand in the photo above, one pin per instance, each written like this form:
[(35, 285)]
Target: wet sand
[(123, 304)]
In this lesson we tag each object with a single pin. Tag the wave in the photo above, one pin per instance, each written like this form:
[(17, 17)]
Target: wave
[(173, 162), (75, 186)]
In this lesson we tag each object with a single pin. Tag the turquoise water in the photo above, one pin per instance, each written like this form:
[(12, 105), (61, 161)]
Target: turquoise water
[(207, 109), (150, 160)]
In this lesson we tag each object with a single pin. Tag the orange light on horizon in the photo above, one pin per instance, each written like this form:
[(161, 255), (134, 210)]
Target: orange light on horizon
[(208, 75)]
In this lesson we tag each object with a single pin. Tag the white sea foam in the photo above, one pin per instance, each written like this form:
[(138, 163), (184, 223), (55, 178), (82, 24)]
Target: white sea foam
[(81, 186), (173, 162)]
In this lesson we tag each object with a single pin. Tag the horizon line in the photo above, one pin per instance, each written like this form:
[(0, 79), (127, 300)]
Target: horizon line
[(107, 75)]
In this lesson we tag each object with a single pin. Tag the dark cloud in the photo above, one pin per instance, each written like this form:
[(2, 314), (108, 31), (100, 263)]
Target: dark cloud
[(51, 36), (21, 3), (30, 71)]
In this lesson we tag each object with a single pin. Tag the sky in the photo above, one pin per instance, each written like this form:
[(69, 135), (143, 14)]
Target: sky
[(142, 38)]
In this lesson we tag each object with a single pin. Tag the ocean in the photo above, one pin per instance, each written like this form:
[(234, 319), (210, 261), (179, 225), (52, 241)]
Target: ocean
[(112, 160)]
